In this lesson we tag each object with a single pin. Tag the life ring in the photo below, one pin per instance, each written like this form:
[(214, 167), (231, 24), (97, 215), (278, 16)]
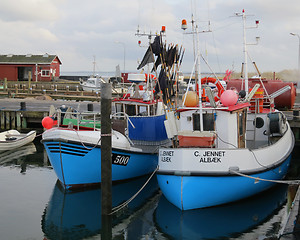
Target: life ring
[(214, 81), (151, 76)]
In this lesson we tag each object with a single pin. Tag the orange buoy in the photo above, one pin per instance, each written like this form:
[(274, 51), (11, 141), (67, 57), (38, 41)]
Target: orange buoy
[(191, 99), (48, 122)]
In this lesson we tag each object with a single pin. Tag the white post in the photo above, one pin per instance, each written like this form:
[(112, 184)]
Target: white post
[(297, 35), (199, 79)]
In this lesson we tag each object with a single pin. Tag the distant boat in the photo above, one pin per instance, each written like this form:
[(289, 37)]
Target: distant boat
[(13, 139), (92, 84)]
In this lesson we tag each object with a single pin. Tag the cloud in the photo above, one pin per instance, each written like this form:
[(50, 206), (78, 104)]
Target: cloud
[(29, 10), (77, 30)]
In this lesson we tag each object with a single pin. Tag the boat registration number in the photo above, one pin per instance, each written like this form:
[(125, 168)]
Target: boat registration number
[(120, 159)]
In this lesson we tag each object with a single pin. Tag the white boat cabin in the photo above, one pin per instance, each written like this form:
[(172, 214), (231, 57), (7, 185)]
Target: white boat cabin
[(134, 107), (227, 127)]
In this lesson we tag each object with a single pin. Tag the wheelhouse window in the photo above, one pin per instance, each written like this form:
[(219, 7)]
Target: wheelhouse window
[(119, 107), (130, 110), (134, 109), (208, 122), (142, 110), (241, 118)]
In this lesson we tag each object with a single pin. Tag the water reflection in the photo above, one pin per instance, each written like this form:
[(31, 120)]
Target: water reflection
[(219, 222), (77, 214), (9, 156)]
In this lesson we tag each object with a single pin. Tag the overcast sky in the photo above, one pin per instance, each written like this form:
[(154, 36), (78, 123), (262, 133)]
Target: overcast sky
[(77, 31)]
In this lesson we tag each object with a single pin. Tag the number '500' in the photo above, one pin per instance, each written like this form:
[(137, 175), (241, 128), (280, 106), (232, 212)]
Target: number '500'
[(123, 160)]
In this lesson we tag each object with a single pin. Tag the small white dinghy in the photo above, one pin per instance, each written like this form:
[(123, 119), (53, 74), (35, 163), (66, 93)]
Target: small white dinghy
[(13, 139)]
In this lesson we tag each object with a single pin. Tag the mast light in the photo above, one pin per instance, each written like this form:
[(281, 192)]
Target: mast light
[(163, 28), (183, 24)]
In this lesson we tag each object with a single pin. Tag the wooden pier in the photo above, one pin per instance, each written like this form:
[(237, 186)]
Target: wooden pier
[(24, 114), (61, 90)]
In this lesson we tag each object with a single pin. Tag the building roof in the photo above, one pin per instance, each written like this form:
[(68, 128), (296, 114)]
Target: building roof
[(28, 59)]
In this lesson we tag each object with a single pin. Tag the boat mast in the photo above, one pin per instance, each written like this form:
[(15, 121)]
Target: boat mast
[(245, 53), (149, 35), (94, 64), (245, 68), (196, 49), (198, 72)]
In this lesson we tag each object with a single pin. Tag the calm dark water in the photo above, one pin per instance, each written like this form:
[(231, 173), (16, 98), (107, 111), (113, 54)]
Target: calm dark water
[(34, 206)]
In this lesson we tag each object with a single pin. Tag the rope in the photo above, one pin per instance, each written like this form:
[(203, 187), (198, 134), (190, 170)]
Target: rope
[(39, 135), (225, 141), (290, 182), (83, 143), (122, 205)]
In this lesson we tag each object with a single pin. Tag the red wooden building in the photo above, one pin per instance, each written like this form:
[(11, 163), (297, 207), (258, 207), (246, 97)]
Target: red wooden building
[(43, 68)]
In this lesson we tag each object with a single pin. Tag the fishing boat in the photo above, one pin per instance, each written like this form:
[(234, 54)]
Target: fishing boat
[(138, 130), (13, 139), (228, 146)]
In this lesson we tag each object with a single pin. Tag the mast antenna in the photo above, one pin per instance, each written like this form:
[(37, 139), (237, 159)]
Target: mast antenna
[(245, 67)]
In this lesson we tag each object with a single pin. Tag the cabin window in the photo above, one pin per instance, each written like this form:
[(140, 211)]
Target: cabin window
[(45, 73), (130, 110), (241, 128), (119, 107), (208, 122), (258, 122), (152, 110), (142, 110)]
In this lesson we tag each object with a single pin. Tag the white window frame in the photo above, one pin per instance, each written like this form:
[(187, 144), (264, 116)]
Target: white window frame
[(45, 71)]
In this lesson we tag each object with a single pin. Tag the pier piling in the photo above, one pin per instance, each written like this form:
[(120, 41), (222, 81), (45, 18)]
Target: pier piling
[(106, 151)]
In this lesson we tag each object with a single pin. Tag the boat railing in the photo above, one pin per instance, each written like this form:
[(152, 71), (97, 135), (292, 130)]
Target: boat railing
[(262, 101), (78, 119)]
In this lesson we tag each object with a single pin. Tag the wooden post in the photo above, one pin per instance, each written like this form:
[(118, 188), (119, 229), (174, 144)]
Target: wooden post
[(13, 120), (7, 120), (24, 122), (29, 80), (5, 84), (2, 120), (18, 116), (106, 178)]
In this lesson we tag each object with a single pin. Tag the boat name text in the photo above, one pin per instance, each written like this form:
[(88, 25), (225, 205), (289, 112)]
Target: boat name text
[(166, 156), (210, 156)]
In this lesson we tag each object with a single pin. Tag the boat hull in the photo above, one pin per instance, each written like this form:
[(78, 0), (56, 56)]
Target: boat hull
[(12, 139), (77, 165), (193, 192), (192, 178)]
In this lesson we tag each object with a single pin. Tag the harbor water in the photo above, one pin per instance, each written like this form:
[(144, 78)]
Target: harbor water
[(33, 205)]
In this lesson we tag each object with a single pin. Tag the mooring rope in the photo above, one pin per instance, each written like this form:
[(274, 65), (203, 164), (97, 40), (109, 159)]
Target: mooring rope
[(290, 182), (82, 143), (39, 135), (124, 204)]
